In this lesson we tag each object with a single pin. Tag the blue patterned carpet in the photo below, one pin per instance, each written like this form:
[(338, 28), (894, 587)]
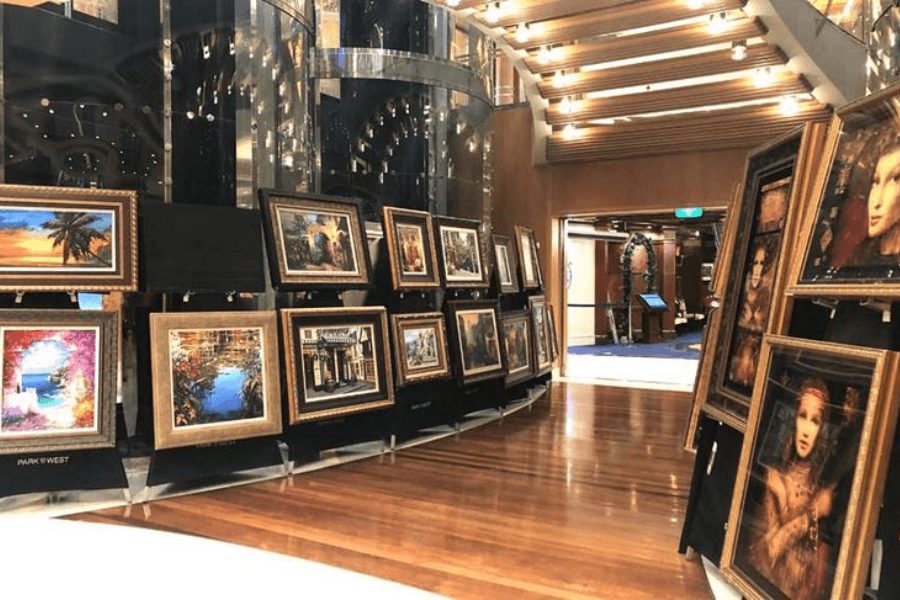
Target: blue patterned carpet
[(680, 347)]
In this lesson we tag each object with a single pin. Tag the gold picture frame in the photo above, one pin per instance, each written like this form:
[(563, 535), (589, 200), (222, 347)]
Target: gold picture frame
[(67, 239), (812, 470), (409, 235), (59, 380), (420, 347), (314, 241), (215, 377), (338, 361)]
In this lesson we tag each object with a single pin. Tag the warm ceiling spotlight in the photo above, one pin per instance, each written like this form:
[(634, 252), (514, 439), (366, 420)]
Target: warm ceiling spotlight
[(545, 55), (739, 50), (763, 77), (568, 105), (570, 132), (559, 80), (717, 23), (492, 12), (453, 3), (522, 33), (695, 4), (789, 106)]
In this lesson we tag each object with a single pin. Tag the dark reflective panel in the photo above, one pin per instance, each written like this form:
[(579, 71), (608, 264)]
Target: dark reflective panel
[(203, 102), (84, 97), (386, 24)]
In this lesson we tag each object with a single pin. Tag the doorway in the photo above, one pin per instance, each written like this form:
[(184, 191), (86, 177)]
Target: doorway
[(637, 291)]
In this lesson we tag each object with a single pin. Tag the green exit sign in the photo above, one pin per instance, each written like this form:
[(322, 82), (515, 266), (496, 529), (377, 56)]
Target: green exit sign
[(688, 213)]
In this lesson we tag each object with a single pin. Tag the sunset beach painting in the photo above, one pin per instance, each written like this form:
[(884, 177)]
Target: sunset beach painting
[(56, 240)]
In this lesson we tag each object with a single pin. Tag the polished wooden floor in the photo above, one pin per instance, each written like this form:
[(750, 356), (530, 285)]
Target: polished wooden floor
[(582, 496)]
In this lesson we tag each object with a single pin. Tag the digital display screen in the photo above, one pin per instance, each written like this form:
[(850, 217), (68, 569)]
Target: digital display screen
[(653, 302)]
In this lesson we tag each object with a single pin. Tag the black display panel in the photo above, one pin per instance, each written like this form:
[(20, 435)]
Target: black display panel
[(202, 249)]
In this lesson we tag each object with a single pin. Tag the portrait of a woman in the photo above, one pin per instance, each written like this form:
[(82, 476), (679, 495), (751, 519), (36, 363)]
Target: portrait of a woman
[(757, 292), (790, 550), (883, 215)]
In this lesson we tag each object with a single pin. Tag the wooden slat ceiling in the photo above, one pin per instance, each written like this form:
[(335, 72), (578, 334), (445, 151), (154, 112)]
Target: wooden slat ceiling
[(643, 77)]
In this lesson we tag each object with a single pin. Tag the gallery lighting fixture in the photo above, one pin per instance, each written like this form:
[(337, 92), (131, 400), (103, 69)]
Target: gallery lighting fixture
[(570, 132), (739, 50), (695, 4), (522, 33), (544, 55), (562, 78), (568, 105), (717, 23), (763, 77), (789, 106), (492, 13)]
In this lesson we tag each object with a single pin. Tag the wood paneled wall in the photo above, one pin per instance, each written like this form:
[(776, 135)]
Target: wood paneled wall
[(538, 196)]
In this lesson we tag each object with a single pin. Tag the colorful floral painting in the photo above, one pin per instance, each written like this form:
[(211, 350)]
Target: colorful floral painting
[(49, 380), (217, 375), (56, 240)]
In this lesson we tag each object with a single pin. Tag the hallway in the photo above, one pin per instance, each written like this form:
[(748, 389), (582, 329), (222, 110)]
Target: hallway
[(582, 496)]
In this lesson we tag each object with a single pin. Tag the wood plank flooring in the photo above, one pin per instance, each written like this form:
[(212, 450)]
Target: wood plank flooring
[(581, 497)]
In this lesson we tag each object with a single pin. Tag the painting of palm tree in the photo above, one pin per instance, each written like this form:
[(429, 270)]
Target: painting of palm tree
[(73, 231), (56, 239)]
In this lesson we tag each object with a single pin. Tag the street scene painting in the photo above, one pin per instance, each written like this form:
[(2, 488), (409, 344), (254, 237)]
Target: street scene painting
[(462, 255), (317, 241), (49, 380), (421, 347), (412, 249), (56, 240), (217, 375), (338, 361), (478, 340)]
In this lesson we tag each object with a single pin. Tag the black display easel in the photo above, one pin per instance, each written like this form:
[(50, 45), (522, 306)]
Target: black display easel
[(307, 440), (69, 470), (712, 485), (200, 464)]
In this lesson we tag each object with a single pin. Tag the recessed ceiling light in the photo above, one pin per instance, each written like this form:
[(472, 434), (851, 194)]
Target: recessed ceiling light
[(789, 106), (739, 50), (522, 33), (492, 13)]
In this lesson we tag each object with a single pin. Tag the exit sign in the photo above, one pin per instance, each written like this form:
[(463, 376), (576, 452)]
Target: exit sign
[(688, 213)]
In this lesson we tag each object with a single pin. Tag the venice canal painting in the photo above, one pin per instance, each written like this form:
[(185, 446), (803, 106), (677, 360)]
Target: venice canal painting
[(217, 375), (56, 240), (49, 381)]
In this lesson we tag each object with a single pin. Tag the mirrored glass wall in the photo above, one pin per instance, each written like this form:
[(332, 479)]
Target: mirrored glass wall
[(205, 101)]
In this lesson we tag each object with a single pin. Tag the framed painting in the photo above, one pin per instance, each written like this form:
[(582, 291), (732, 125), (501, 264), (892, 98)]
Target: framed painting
[(812, 471), (851, 243), (517, 346), (337, 361), (463, 263), (764, 217), (314, 241), (67, 239), (543, 344), (475, 335), (409, 235), (420, 347), (529, 259), (505, 264), (551, 332), (59, 380), (215, 377)]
